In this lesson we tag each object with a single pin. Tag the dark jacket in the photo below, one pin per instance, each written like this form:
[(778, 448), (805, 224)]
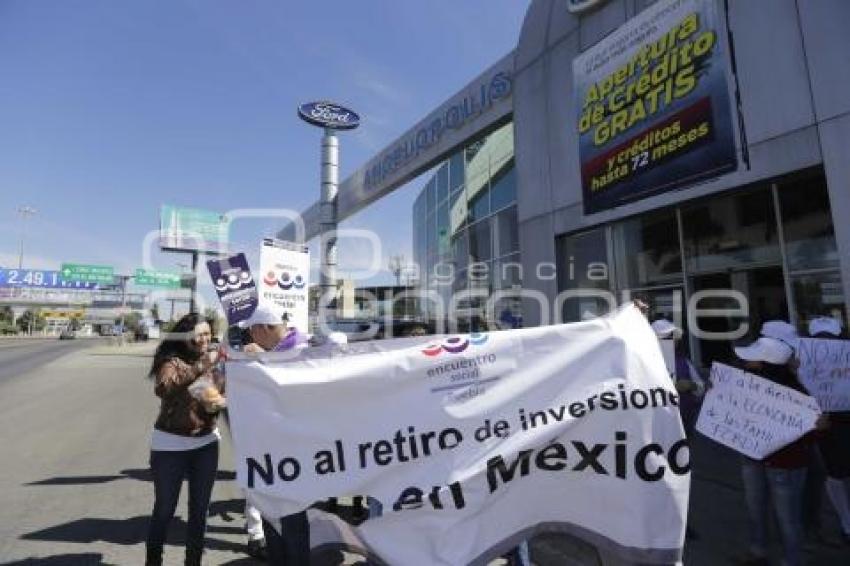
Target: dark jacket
[(796, 454), (179, 412)]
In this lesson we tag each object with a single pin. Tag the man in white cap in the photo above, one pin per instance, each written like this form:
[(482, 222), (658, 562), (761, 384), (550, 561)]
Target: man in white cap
[(781, 475), (781, 330), (825, 327), (268, 332), (834, 443)]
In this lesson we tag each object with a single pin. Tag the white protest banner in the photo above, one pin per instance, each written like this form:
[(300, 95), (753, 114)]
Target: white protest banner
[(753, 415), (825, 371), (472, 443), (285, 269)]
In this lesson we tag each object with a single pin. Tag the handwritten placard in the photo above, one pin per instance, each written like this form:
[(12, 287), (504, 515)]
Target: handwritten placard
[(825, 371), (753, 415)]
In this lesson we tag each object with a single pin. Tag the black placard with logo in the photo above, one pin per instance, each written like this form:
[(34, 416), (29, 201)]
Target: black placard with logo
[(235, 286)]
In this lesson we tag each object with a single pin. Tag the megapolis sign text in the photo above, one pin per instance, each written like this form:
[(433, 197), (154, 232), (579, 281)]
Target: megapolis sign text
[(329, 115), (453, 116)]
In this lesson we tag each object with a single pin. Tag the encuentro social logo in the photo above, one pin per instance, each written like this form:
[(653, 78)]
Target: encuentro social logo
[(233, 281), (455, 344), (286, 281)]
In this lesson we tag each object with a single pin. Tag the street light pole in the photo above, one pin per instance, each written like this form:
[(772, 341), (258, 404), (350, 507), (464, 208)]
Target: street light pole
[(24, 212)]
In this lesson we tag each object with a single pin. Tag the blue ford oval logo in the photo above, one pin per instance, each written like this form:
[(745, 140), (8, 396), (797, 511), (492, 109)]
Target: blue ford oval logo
[(329, 115)]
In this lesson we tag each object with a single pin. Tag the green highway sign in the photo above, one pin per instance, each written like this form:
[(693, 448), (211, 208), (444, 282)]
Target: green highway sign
[(87, 273), (192, 230), (157, 278)]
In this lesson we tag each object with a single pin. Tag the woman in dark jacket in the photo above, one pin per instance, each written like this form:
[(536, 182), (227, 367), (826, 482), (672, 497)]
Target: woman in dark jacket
[(185, 438)]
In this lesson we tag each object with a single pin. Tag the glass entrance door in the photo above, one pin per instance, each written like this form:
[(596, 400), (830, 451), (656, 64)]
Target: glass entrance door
[(764, 288)]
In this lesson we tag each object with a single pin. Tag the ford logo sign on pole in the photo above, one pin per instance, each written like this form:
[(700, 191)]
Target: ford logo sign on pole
[(330, 117)]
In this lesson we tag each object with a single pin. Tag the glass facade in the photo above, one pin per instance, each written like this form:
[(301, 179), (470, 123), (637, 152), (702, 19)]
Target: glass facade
[(465, 233), (772, 242)]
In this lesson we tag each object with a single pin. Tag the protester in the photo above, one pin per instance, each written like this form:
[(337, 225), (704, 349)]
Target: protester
[(185, 438), (816, 472), (781, 330), (688, 383), (278, 334), (834, 442), (289, 544), (780, 476), (237, 337)]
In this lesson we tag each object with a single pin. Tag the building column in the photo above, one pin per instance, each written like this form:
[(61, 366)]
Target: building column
[(835, 139)]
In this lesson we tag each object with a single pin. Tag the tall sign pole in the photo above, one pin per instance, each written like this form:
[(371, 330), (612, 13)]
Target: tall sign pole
[(330, 185), (330, 117), (192, 306)]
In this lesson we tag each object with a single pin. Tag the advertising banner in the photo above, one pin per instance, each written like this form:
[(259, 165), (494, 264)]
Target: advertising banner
[(285, 269), (652, 105), (825, 371), (235, 287), (753, 415), (192, 230), (466, 445)]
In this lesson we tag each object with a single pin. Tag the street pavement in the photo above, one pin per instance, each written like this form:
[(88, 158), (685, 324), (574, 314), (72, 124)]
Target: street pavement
[(75, 488), (18, 355)]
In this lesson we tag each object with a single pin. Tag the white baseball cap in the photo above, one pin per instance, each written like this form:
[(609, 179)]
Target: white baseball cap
[(780, 330), (263, 314), (663, 328), (766, 349), (825, 324)]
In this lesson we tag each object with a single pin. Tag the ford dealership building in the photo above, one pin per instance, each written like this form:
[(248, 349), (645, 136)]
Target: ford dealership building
[(657, 149)]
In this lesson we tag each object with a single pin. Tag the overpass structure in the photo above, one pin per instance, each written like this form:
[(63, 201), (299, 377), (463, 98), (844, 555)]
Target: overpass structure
[(93, 308)]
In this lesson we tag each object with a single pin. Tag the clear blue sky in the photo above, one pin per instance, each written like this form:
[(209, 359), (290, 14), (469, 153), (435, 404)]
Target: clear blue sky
[(110, 108)]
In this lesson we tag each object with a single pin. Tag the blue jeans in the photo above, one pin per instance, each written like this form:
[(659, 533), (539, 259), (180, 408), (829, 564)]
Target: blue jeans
[(784, 487), (168, 469)]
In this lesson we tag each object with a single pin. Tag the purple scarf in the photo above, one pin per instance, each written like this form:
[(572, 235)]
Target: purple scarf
[(292, 339)]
